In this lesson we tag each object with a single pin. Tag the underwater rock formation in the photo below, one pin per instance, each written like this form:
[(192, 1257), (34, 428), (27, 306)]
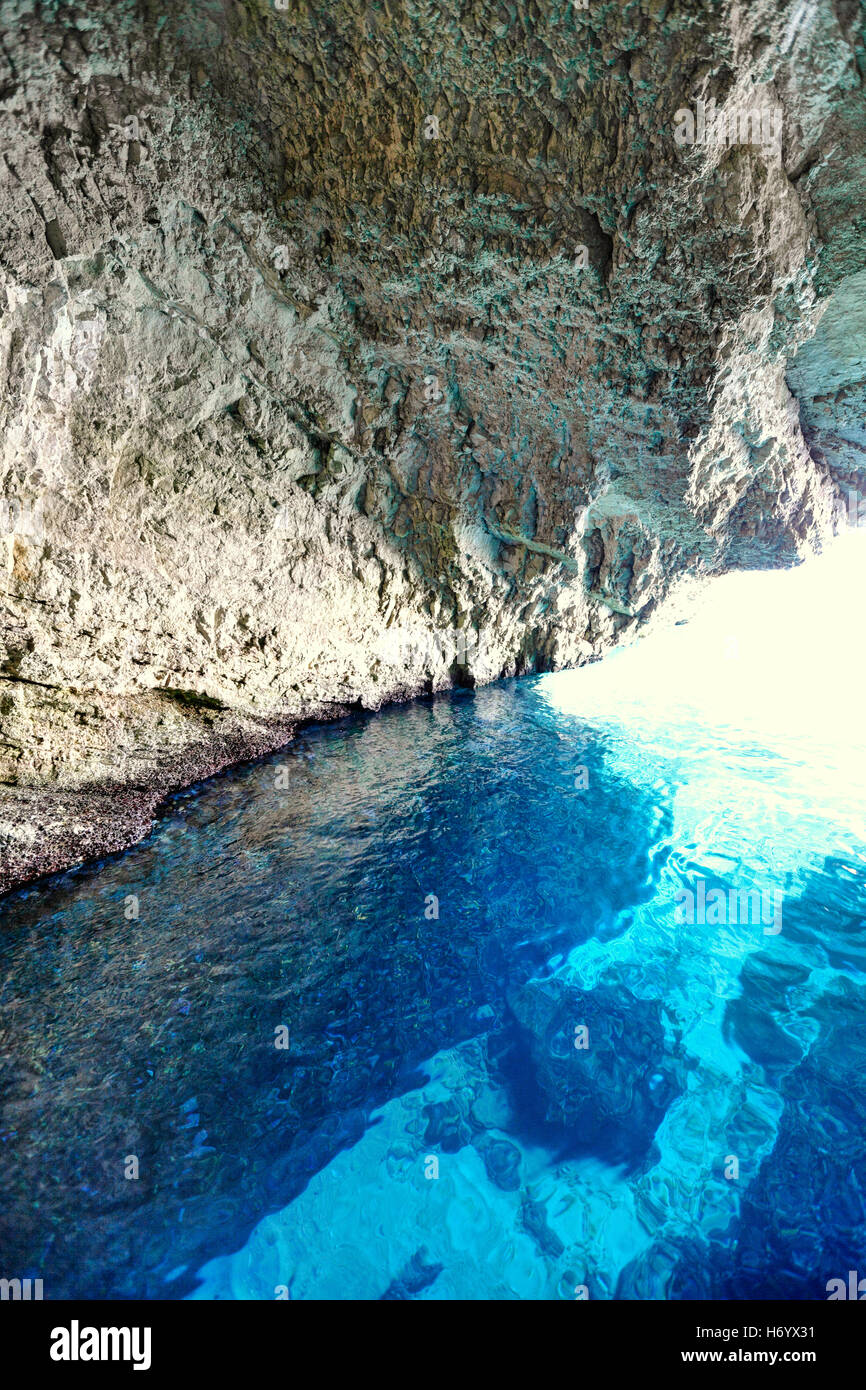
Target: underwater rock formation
[(353, 351), (616, 1096)]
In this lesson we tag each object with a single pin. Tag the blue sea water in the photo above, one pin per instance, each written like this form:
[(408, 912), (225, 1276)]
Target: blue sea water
[(409, 1010)]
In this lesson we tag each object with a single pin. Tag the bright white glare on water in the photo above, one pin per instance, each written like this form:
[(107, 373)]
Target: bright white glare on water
[(778, 653)]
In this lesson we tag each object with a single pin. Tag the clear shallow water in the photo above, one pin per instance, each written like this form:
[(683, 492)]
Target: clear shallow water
[(296, 893)]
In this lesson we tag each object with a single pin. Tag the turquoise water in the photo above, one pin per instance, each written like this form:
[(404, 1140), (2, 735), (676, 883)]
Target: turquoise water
[(508, 1067)]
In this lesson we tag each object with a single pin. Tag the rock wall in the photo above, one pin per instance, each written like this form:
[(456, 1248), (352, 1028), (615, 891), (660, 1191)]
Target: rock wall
[(350, 351)]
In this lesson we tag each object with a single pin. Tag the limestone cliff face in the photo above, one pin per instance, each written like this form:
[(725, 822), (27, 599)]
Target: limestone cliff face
[(353, 350)]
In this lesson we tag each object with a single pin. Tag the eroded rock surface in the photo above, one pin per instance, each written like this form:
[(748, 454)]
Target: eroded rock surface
[(354, 350)]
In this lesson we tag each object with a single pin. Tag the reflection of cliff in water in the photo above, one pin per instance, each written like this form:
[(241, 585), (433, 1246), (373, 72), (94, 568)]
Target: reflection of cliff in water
[(310, 904)]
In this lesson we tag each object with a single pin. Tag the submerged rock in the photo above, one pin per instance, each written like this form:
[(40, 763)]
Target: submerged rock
[(601, 1072), (417, 1276)]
